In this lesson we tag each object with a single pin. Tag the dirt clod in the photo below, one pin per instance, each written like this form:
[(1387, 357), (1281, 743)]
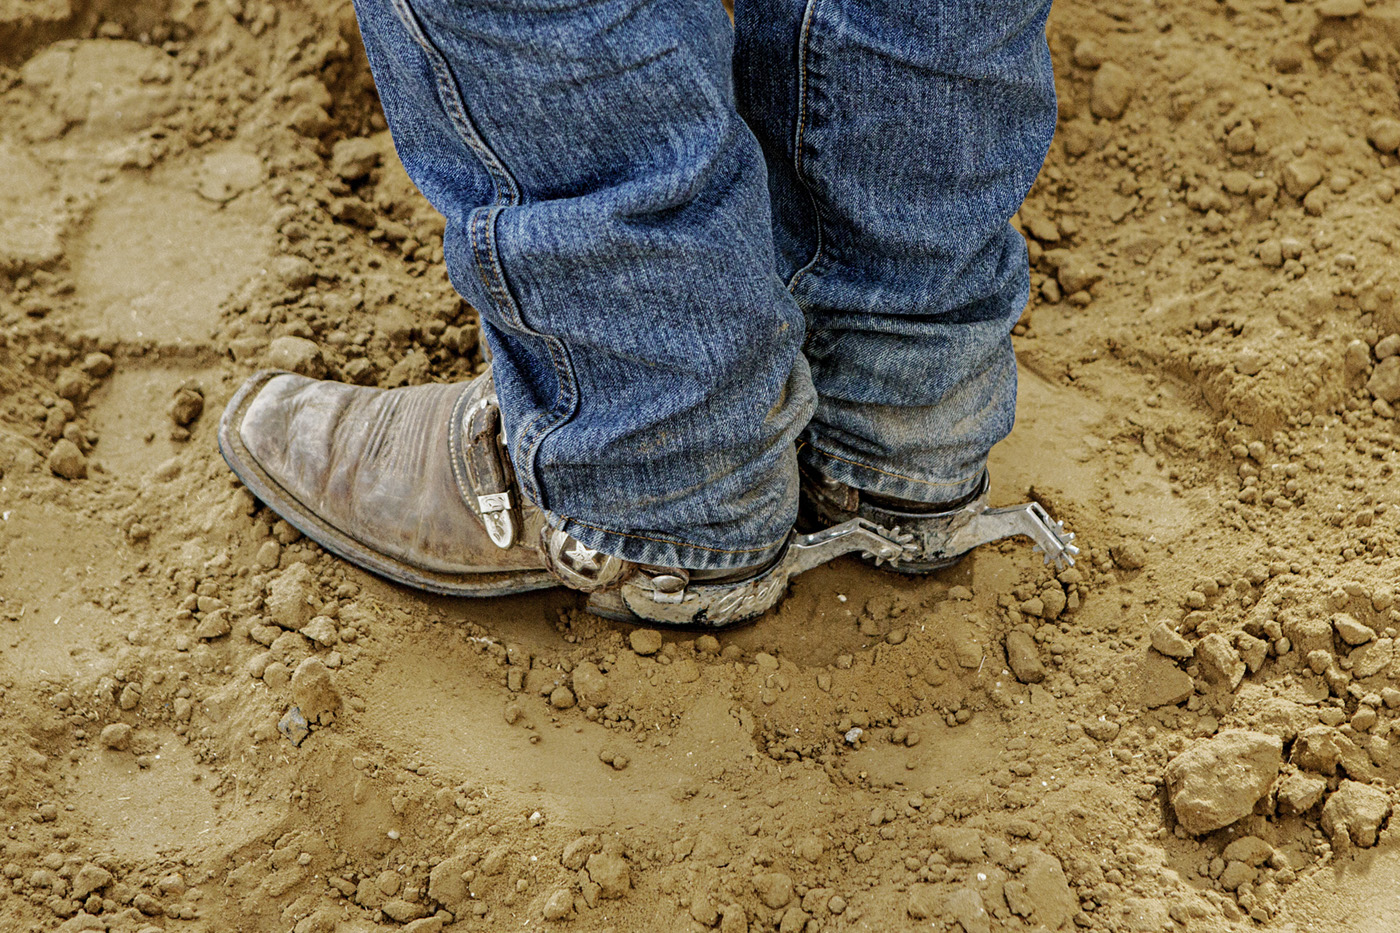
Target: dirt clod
[(1219, 780)]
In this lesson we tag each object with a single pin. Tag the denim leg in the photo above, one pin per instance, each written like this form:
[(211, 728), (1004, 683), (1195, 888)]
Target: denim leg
[(901, 136), (607, 214)]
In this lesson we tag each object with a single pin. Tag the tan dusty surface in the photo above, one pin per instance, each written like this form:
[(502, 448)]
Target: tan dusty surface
[(1208, 372)]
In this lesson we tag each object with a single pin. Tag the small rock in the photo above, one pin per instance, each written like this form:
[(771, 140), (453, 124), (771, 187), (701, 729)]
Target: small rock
[(561, 697), (1357, 810), (774, 888), (1384, 134), (1109, 95), (313, 690), (354, 158), (610, 872), (298, 355), (1049, 890), (559, 905), (1220, 662), (1323, 750), (577, 852), (97, 365), (965, 906), (187, 406), (1023, 657), (1250, 850), (732, 919), (403, 911), (1301, 176), (294, 272), (1130, 555), (215, 624), (294, 726), (923, 901), (288, 600), (1162, 683), (1217, 781), (1167, 641), (89, 879), (116, 736), (1384, 383), (67, 461), (1351, 631), (322, 630), (591, 685), (645, 641)]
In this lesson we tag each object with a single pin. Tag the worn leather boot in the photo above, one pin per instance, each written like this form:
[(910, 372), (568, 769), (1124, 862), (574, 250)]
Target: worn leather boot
[(941, 534), (415, 485)]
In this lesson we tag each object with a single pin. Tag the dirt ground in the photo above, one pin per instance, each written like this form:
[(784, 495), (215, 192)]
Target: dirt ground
[(1194, 729)]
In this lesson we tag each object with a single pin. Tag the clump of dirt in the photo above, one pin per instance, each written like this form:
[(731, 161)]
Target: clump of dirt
[(213, 725)]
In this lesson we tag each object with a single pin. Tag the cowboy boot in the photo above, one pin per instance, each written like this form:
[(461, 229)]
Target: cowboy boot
[(415, 485)]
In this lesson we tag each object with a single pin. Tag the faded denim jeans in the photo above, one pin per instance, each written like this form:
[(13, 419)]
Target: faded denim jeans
[(702, 252)]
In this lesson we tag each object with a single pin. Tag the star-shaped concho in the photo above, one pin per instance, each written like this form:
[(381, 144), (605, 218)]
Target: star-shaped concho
[(584, 558)]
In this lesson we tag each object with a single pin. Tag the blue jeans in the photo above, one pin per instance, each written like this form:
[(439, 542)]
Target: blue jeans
[(701, 253)]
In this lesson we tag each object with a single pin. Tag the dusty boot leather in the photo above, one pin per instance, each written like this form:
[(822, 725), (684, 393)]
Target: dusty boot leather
[(940, 534), (415, 485)]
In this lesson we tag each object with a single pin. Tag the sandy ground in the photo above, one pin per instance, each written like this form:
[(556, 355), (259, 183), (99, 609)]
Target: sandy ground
[(1194, 729)]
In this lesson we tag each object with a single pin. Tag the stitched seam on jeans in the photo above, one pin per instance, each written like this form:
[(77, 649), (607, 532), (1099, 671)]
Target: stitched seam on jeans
[(874, 469), (804, 43), (696, 547), (450, 96), (532, 435)]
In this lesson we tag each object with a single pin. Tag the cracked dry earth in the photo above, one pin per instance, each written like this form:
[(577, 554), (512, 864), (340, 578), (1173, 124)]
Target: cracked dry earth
[(1195, 729)]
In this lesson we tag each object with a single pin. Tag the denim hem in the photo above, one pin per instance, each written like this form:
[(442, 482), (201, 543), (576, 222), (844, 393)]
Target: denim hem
[(660, 552), (877, 480)]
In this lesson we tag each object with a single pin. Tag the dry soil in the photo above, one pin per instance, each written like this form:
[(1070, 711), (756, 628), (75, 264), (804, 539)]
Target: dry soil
[(1195, 729)]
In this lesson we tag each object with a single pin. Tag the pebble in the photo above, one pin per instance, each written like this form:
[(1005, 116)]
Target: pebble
[(561, 697), (1110, 93), (298, 355), (1169, 642), (294, 272), (314, 691), (923, 901), (1162, 683), (1384, 383), (1301, 176), (1220, 662), (1023, 657), (590, 685), (1300, 792), (187, 406), (67, 461), (90, 879), (645, 641), (322, 630), (354, 158), (1357, 810), (559, 905), (116, 736), (774, 888), (609, 871), (294, 726), (1217, 781), (1130, 555), (965, 906), (1384, 134)]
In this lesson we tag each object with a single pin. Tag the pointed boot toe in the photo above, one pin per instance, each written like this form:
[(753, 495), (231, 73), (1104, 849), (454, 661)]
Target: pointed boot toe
[(398, 481)]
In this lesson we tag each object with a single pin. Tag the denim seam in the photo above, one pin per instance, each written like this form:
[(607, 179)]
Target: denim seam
[(875, 469), (487, 257), (667, 541), (803, 81)]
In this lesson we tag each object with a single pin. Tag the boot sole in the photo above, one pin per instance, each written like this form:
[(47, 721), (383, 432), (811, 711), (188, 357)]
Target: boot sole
[(246, 468)]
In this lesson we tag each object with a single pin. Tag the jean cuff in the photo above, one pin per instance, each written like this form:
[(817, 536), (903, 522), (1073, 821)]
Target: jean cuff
[(917, 488), (660, 551)]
